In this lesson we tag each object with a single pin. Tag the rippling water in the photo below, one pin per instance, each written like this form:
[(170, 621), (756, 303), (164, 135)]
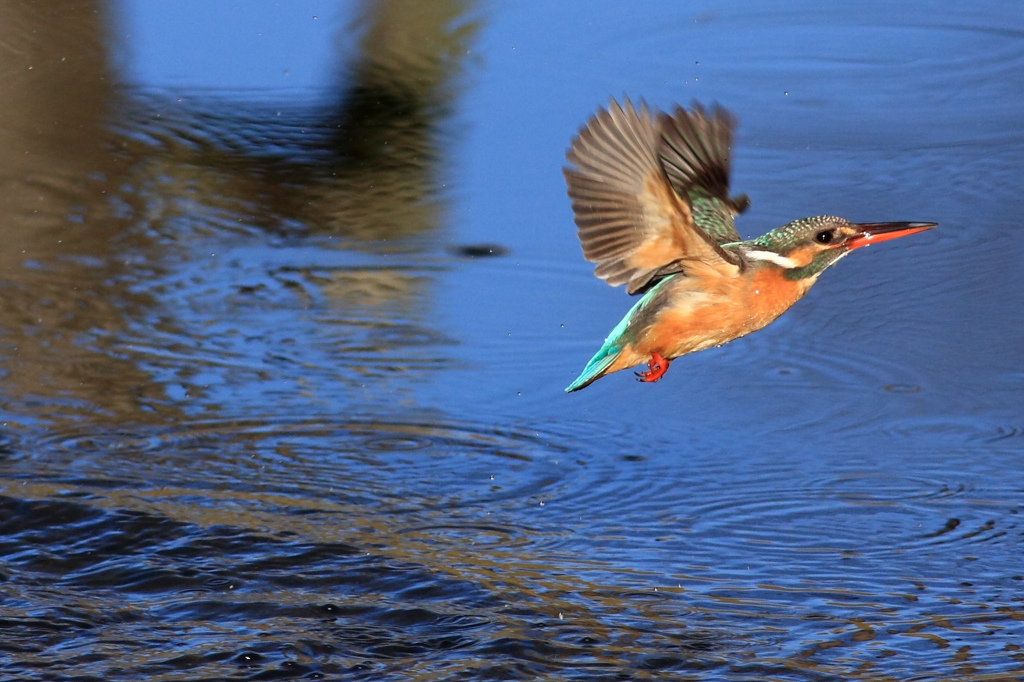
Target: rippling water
[(286, 323)]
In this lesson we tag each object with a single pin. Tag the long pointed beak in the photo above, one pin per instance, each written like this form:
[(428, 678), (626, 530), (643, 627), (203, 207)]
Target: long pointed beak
[(873, 233)]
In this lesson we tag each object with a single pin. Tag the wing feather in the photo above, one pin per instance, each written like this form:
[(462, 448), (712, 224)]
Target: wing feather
[(631, 221), (695, 152)]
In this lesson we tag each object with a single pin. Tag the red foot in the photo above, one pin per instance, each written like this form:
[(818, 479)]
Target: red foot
[(656, 368)]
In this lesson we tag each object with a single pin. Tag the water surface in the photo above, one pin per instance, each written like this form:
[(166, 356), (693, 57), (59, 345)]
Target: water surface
[(290, 296)]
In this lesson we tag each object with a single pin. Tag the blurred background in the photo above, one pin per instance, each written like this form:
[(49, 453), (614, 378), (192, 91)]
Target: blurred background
[(290, 293)]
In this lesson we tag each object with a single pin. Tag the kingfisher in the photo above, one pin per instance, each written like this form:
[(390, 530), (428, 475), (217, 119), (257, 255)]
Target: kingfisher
[(650, 194)]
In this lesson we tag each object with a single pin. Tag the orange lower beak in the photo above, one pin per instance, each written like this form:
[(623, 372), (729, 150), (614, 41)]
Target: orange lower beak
[(873, 233)]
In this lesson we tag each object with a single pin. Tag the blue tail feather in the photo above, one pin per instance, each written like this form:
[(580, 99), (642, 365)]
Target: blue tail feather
[(615, 342), (610, 350), (596, 367)]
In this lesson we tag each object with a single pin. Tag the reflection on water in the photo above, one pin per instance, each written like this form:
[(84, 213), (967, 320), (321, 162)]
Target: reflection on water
[(164, 246), (266, 415)]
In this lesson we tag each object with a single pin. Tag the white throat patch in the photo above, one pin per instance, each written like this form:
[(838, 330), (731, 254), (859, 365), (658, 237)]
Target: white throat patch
[(772, 257)]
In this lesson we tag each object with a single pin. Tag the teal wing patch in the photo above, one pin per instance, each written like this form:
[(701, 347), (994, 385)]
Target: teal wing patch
[(694, 151)]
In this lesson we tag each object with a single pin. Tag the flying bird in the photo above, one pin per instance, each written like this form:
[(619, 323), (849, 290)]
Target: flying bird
[(650, 193)]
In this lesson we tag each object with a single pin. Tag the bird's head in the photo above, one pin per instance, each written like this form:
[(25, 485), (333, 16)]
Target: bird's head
[(805, 248)]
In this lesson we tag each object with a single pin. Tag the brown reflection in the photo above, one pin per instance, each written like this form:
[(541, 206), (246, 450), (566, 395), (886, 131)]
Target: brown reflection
[(98, 183), (57, 171), (384, 127)]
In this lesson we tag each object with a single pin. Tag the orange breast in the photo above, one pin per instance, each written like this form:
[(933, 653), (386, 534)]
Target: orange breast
[(697, 318)]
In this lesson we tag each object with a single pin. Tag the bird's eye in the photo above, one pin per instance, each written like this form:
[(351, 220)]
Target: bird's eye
[(824, 237)]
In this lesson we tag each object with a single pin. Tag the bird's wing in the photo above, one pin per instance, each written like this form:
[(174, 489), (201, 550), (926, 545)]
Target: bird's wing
[(694, 151), (631, 222)]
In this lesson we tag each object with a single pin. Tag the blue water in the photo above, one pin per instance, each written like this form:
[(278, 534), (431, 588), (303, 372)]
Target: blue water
[(291, 292)]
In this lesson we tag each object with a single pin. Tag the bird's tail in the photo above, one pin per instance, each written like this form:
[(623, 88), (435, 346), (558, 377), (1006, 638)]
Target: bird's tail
[(597, 366)]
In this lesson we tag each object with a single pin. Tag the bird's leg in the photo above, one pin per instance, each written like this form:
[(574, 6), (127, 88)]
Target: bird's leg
[(656, 368)]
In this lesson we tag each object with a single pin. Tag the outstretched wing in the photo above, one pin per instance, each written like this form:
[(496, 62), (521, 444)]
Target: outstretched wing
[(694, 151), (631, 222)]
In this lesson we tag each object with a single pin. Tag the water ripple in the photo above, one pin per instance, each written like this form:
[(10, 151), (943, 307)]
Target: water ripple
[(412, 463)]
